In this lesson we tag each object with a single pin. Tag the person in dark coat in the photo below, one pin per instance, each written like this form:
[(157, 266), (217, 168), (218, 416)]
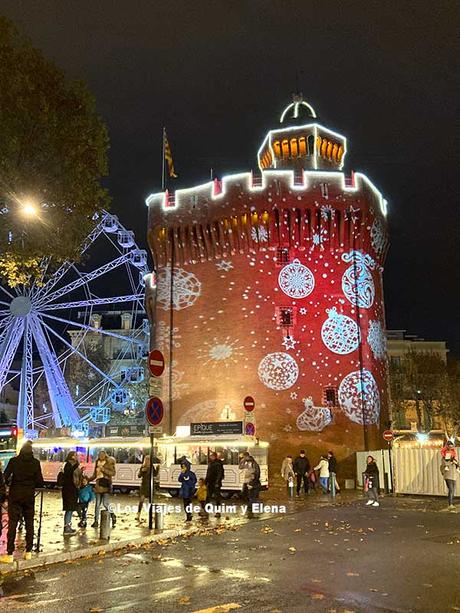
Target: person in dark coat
[(144, 475), (214, 476), (23, 474), (2, 495), (187, 480), (253, 485), (372, 477), (301, 469), (70, 487), (333, 471)]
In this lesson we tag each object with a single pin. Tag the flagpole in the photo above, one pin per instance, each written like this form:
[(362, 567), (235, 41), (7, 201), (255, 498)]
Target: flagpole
[(163, 173)]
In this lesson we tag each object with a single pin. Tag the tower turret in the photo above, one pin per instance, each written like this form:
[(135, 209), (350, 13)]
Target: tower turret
[(301, 143)]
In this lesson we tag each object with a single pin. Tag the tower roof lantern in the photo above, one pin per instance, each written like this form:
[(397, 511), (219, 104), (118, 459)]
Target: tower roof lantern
[(301, 143)]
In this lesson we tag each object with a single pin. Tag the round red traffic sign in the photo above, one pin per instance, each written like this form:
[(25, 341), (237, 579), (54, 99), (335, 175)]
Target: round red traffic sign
[(156, 363), (250, 429), (154, 411), (388, 435), (249, 403)]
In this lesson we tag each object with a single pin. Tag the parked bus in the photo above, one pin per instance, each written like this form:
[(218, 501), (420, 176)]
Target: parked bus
[(129, 454)]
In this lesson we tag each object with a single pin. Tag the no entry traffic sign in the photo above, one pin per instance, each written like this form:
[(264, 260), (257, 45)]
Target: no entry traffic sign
[(388, 436), (154, 411), (156, 363), (250, 429), (249, 403)]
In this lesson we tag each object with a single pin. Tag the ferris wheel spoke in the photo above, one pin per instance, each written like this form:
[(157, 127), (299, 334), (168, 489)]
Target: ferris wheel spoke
[(92, 302), (6, 292), (64, 410), (8, 348), (26, 388), (80, 354), (128, 339), (83, 280)]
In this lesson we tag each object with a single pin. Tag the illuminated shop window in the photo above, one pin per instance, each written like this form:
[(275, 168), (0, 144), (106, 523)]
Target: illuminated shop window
[(282, 256)]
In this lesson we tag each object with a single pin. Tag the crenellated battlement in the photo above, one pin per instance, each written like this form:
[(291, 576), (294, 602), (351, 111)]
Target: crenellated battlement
[(218, 192)]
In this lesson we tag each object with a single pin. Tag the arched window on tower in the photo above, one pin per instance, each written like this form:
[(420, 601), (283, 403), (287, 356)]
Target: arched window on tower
[(303, 146)]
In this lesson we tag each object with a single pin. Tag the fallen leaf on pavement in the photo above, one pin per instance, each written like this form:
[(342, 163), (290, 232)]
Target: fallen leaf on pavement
[(184, 600), (317, 596), (292, 549), (352, 574), (223, 608)]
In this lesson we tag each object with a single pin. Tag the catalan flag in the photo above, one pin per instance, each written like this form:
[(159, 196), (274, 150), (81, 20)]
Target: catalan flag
[(168, 156)]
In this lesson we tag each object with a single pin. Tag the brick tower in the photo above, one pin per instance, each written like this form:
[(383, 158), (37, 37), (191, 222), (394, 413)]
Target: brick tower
[(276, 293)]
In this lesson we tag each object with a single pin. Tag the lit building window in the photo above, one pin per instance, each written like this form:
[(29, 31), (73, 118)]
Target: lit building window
[(282, 256)]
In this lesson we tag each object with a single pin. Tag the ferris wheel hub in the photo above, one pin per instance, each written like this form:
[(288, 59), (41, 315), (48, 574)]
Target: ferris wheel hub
[(20, 306)]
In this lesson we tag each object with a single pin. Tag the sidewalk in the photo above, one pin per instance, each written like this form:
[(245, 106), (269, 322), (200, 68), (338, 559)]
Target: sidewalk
[(128, 533)]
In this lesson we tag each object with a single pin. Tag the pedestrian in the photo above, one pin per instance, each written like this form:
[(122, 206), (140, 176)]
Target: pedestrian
[(301, 469), (371, 475), (287, 473), (333, 471), (70, 488), (187, 480), (85, 496), (251, 482), (144, 489), (202, 495), (449, 471), (323, 468), (214, 476), (23, 474), (104, 471), (2, 496)]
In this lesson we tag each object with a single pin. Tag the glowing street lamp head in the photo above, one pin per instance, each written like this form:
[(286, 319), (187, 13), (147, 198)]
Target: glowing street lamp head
[(29, 209)]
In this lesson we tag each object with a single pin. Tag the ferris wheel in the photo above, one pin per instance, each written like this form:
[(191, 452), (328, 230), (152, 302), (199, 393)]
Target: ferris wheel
[(70, 369)]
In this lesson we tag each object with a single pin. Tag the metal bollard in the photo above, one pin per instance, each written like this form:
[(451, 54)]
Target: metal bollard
[(332, 484), (160, 512), (104, 532), (291, 487)]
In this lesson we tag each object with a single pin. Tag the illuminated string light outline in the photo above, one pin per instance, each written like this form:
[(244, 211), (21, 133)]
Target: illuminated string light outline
[(296, 105), (359, 179)]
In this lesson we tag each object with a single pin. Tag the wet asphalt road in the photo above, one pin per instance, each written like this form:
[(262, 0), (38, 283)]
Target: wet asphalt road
[(334, 559)]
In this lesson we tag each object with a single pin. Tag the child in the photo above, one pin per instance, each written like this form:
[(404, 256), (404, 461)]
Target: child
[(202, 494), (85, 496), (187, 480)]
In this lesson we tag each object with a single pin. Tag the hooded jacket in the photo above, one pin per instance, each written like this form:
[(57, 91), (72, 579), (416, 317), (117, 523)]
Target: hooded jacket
[(214, 474), (187, 480), (24, 474)]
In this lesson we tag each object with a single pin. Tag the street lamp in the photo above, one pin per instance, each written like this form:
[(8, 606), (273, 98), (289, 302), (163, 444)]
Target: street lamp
[(29, 209)]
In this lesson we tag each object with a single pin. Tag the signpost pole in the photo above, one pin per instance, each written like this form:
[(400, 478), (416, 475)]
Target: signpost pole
[(151, 482), (390, 445)]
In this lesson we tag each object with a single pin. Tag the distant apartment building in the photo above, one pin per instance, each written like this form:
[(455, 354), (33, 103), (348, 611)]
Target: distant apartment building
[(399, 343)]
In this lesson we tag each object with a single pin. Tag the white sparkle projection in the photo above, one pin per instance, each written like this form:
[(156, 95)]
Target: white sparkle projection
[(357, 282), (289, 342), (278, 371), (163, 336), (378, 236), (296, 280), (376, 339), (259, 234), (359, 397), (220, 352), (340, 333), (224, 265), (53, 330), (314, 419), (186, 289)]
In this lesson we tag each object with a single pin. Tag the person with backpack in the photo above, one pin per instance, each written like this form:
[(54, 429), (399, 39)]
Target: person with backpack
[(23, 474), (214, 476), (449, 470), (323, 468), (187, 479), (71, 482)]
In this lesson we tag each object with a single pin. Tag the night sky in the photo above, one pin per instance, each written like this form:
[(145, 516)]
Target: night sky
[(217, 75)]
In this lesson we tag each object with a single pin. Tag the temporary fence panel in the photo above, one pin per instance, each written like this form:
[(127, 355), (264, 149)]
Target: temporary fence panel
[(418, 471)]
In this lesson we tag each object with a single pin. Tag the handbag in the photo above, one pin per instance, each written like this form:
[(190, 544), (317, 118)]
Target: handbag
[(103, 482)]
